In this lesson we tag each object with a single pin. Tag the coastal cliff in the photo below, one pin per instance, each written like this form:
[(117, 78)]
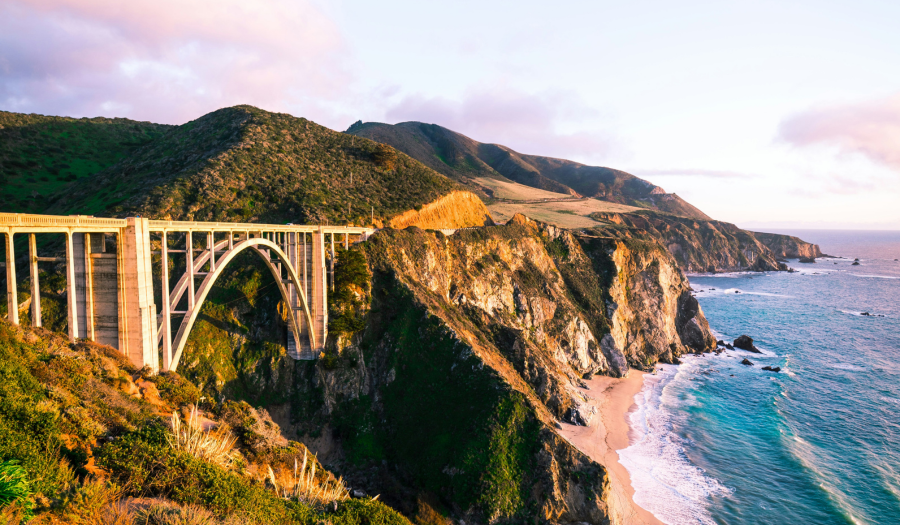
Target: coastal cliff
[(788, 246), (466, 351), (708, 246)]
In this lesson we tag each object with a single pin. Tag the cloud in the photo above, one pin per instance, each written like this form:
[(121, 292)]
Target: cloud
[(167, 60), (550, 123), (870, 129), (692, 172)]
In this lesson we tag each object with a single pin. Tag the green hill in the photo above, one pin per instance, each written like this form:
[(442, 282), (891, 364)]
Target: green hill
[(466, 160), (40, 155), (246, 164)]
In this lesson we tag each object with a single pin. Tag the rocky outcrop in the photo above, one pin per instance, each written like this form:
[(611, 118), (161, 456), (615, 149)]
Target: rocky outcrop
[(467, 330), (788, 246), (745, 342), (705, 246)]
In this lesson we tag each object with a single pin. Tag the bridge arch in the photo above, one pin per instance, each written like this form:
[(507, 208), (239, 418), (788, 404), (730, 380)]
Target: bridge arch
[(258, 245)]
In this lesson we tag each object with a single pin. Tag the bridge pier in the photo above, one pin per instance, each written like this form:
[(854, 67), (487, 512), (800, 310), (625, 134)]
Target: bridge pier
[(137, 312)]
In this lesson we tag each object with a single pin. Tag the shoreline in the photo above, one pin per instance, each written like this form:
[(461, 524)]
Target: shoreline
[(608, 432)]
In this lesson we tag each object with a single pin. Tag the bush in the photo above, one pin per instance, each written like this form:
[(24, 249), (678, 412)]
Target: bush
[(351, 279), (14, 487), (175, 389), (143, 464)]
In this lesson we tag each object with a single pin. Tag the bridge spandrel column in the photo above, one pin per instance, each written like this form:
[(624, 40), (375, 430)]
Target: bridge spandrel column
[(35, 281), (80, 328), (137, 316), (12, 299)]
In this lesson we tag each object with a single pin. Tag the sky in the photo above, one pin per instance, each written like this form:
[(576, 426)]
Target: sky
[(768, 114)]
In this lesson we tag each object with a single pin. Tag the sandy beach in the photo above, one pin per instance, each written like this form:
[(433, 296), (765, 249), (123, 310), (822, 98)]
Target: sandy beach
[(609, 432)]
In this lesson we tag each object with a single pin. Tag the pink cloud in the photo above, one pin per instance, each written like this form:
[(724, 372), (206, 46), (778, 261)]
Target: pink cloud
[(527, 123), (695, 172), (870, 129), (167, 60)]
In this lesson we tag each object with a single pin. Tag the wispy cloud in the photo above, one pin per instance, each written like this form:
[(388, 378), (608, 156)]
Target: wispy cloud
[(692, 172), (870, 129), (166, 60), (529, 123)]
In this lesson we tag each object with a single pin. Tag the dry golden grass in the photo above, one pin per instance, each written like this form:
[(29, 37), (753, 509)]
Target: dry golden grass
[(302, 484), (168, 514), (565, 214), (504, 189), (560, 209), (216, 446), (459, 209)]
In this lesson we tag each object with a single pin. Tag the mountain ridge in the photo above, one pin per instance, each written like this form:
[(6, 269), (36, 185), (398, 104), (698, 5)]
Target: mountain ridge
[(464, 159)]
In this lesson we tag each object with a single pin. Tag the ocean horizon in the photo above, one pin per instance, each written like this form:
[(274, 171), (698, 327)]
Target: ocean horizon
[(717, 441)]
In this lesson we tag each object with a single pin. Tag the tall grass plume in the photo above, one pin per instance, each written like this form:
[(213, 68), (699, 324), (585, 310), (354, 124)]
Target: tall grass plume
[(216, 446)]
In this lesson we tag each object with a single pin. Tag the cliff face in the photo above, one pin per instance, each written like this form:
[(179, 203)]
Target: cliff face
[(707, 246), (473, 346), (788, 246)]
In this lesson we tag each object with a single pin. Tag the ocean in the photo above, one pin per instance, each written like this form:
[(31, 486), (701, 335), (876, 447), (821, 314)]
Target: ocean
[(715, 441)]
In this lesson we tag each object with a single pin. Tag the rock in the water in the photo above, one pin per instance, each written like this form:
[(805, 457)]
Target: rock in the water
[(855, 263), (772, 368), (745, 342), (747, 362), (865, 313), (720, 343), (807, 259), (728, 346)]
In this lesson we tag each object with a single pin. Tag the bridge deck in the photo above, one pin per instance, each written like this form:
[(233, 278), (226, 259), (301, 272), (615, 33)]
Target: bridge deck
[(30, 223)]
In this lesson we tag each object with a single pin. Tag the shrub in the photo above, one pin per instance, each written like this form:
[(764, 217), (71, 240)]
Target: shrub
[(385, 157), (14, 487), (351, 278), (175, 389), (144, 464)]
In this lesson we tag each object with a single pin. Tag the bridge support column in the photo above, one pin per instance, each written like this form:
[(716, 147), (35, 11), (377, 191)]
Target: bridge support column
[(319, 290), (298, 346), (35, 283), (12, 299), (137, 312)]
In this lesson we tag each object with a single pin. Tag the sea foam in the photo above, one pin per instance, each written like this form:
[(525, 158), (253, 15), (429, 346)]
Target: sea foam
[(665, 481)]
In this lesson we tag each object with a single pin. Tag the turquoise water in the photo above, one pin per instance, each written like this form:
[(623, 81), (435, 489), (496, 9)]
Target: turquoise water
[(819, 443)]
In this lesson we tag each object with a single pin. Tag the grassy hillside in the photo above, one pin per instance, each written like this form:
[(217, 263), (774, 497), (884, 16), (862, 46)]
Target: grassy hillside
[(84, 440), (40, 155), (465, 160), (246, 164)]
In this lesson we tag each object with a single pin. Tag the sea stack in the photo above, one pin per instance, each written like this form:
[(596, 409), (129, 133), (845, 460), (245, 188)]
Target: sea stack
[(745, 342)]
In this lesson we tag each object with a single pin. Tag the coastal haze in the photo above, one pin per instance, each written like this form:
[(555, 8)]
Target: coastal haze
[(449, 265)]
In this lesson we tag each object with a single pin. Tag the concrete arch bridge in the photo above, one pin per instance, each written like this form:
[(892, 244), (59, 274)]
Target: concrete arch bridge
[(110, 277)]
